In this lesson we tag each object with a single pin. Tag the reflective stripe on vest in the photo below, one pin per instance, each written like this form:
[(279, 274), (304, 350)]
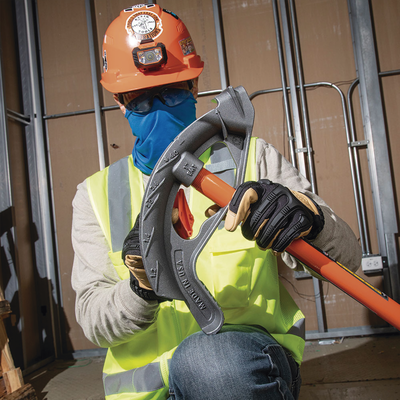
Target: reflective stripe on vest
[(143, 379), (119, 203), (110, 193)]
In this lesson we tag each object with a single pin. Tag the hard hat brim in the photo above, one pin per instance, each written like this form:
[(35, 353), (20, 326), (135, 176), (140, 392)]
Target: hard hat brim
[(131, 82)]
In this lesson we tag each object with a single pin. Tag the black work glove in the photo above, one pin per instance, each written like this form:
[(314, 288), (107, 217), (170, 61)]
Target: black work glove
[(273, 215), (133, 261)]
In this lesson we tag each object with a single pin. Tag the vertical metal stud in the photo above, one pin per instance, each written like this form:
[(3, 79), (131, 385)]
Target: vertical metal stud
[(223, 71), (300, 160), (38, 178), (306, 124), (284, 84), (376, 135), (5, 177), (301, 164), (7, 235), (95, 83)]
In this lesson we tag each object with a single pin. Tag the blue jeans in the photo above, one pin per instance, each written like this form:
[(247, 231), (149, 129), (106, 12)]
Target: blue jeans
[(240, 362)]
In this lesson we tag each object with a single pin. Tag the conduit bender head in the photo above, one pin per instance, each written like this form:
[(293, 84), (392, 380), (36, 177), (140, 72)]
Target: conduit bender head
[(169, 260)]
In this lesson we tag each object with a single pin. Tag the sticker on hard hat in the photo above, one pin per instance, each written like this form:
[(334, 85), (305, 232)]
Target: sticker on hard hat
[(187, 46), (105, 63), (144, 25)]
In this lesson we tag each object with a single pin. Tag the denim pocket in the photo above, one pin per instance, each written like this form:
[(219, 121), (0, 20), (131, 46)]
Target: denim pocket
[(284, 368), (296, 377), (280, 364)]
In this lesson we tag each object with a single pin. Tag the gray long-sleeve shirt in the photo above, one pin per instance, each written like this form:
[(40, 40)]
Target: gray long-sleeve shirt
[(107, 309)]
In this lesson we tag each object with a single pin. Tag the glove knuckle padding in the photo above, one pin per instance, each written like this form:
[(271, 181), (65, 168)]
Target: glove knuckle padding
[(273, 215), (240, 205), (277, 218)]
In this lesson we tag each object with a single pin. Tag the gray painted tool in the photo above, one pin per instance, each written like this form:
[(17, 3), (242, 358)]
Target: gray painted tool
[(169, 260)]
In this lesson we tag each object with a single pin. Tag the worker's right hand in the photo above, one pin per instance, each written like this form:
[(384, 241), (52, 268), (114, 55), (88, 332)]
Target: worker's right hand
[(133, 261), (273, 215)]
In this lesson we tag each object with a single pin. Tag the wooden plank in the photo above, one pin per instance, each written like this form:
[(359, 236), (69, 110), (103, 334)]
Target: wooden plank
[(3, 390), (7, 362), (5, 308), (12, 377), (13, 380), (26, 392)]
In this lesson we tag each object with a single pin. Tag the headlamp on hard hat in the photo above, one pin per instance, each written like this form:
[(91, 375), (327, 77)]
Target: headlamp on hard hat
[(150, 57)]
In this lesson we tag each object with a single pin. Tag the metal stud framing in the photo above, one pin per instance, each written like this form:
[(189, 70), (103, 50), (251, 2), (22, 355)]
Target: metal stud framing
[(7, 234), (292, 111), (376, 135), (37, 163)]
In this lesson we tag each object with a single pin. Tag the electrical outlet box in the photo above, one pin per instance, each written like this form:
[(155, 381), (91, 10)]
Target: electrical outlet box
[(372, 264), (301, 275)]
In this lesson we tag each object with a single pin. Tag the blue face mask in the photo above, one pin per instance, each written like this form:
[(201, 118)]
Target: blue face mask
[(156, 129)]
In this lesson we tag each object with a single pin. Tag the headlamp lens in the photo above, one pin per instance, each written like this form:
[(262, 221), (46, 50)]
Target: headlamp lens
[(150, 56), (153, 57)]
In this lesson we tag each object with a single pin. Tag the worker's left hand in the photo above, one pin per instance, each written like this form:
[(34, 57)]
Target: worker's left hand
[(132, 258), (273, 215)]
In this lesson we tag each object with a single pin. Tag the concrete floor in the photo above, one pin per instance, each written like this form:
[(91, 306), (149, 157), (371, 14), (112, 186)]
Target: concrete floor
[(356, 368), (365, 368)]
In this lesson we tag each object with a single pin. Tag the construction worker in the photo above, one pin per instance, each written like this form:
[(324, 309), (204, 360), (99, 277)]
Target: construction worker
[(156, 349)]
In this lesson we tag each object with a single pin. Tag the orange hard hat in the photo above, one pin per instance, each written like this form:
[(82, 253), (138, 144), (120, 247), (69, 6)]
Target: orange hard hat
[(147, 46)]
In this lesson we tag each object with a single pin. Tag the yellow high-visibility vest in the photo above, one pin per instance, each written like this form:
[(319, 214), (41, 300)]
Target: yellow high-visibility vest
[(242, 278)]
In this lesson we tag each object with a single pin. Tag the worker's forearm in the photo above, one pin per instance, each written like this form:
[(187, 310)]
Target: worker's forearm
[(110, 314)]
